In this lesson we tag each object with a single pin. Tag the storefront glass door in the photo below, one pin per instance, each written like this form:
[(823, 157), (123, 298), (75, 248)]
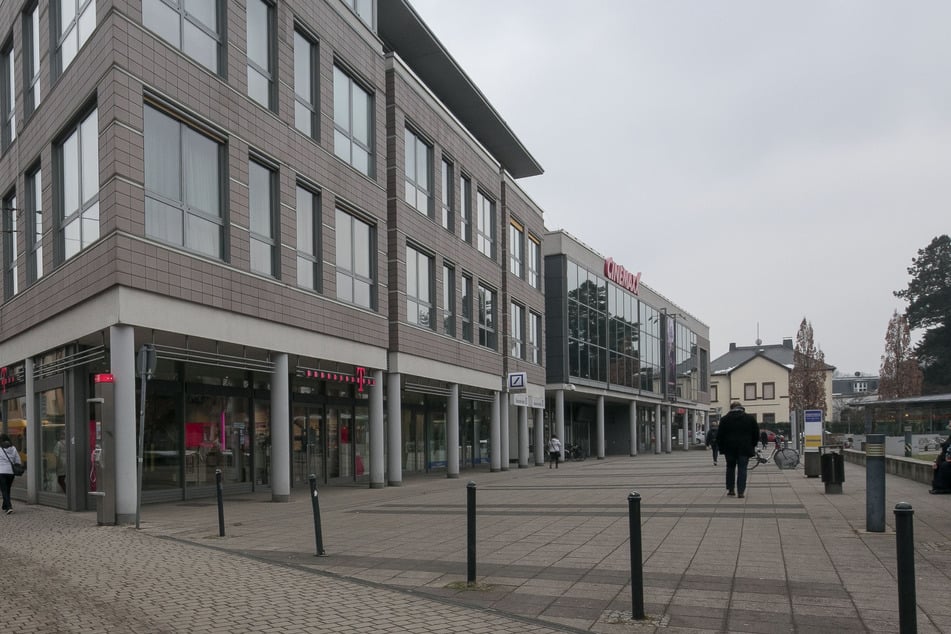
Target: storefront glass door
[(414, 442), (308, 455)]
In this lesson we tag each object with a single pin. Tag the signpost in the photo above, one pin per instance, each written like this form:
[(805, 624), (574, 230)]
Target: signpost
[(812, 429)]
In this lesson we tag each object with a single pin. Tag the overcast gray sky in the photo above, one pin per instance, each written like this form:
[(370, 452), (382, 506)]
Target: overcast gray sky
[(759, 162)]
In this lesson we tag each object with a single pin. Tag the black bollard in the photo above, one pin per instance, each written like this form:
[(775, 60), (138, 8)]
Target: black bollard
[(315, 502), (875, 483), (905, 542), (221, 505), (637, 564), (471, 532)]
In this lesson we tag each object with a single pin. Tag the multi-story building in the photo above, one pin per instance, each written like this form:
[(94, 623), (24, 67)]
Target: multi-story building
[(304, 207), (628, 370)]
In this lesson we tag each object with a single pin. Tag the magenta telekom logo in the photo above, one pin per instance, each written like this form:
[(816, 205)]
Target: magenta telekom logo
[(360, 378), (621, 276), (10, 376)]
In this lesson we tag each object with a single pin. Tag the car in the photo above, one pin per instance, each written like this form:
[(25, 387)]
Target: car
[(700, 437), (771, 435)]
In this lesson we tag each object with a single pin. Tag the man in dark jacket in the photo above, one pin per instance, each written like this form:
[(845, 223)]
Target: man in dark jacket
[(737, 438), (712, 443)]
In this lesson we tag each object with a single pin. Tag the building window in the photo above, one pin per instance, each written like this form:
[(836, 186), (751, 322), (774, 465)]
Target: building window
[(78, 176), (534, 337), (713, 394), (485, 209), (308, 239), (749, 391), (34, 206), (516, 330), (487, 331), (31, 58), (305, 95), (516, 249), (448, 196), (8, 94), (75, 21), (769, 419), (449, 300), (467, 308), (769, 391), (260, 44), (182, 185), (355, 275), (465, 219), (419, 288), (10, 255), (419, 167), (860, 387), (352, 122), (262, 208), (363, 9), (190, 26), (534, 261)]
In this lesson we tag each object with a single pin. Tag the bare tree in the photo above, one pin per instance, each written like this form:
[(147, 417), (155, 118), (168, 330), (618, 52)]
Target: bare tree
[(807, 379), (900, 375)]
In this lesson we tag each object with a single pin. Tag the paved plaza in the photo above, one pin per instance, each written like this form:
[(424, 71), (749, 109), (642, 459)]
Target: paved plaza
[(552, 556)]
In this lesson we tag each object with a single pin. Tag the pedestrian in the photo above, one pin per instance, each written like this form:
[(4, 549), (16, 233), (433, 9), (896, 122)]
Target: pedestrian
[(737, 438), (763, 438), (9, 456), (941, 483), (712, 443), (943, 450), (60, 451), (554, 451)]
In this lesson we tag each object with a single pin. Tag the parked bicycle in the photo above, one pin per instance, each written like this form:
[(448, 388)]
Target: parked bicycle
[(784, 458), (574, 452)]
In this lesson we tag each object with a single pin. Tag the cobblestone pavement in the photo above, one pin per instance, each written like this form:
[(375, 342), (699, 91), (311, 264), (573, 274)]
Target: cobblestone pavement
[(552, 555)]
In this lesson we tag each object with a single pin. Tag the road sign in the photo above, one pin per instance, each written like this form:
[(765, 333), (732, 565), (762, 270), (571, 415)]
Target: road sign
[(812, 416)]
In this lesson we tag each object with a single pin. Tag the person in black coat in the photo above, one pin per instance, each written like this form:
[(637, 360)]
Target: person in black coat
[(737, 438), (711, 441), (940, 482)]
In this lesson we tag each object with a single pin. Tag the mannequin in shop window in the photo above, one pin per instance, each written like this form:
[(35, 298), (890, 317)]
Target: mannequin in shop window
[(60, 452)]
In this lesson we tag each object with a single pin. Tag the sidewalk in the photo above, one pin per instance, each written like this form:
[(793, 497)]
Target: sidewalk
[(552, 545)]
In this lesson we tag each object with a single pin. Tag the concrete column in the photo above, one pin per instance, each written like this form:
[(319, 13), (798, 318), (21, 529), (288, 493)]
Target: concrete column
[(394, 428), (670, 428), (539, 437), (658, 432), (280, 431), (122, 355), (687, 428), (377, 435), (452, 432), (560, 419), (504, 430), (495, 430), (523, 437), (600, 429), (32, 432), (632, 417)]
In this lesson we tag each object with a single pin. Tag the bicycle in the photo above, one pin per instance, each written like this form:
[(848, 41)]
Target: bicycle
[(784, 458)]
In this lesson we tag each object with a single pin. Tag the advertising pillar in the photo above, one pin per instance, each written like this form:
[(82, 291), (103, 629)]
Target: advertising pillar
[(812, 426)]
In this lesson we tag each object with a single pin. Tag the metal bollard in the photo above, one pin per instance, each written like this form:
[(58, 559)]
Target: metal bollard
[(875, 483), (637, 563), (905, 550), (315, 502), (221, 505), (471, 532)]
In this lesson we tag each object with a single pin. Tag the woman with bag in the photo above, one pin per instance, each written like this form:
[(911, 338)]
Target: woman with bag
[(9, 456)]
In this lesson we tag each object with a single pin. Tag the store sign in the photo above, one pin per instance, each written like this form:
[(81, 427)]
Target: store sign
[(11, 376), (360, 378), (621, 276)]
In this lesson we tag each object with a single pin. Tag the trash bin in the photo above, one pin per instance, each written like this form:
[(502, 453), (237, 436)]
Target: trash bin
[(832, 466)]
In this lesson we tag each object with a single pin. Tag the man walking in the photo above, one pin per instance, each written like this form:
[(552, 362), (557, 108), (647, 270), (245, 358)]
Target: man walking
[(712, 443), (554, 451), (737, 438)]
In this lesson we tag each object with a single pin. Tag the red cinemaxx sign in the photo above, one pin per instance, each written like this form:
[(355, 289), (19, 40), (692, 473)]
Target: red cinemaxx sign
[(360, 378), (621, 276)]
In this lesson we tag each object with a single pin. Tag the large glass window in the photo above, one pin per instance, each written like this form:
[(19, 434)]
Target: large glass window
[(465, 217), (419, 288), (8, 94), (78, 162), (262, 201), (34, 210), (449, 300), (363, 8), (587, 324), (53, 447), (352, 122), (192, 26), (260, 42), (516, 330), (305, 84), (419, 161), (769, 391), (488, 336), (182, 185), (31, 58), (534, 261), (534, 337), (485, 208), (75, 21), (447, 198), (467, 308), (10, 256), (355, 262), (308, 239), (516, 249)]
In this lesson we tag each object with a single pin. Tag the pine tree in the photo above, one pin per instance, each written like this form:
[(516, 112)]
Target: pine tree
[(807, 384), (899, 376)]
